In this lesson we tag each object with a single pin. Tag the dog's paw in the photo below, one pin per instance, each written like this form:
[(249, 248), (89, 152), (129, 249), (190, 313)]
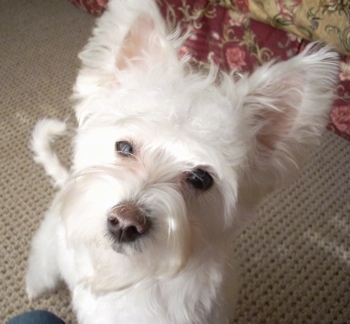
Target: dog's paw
[(37, 285), (33, 291)]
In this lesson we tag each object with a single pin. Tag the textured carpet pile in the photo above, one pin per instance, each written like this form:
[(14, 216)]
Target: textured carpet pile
[(295, 258)]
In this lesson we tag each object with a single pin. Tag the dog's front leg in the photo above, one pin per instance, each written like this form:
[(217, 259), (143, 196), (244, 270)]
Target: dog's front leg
[(43, 272)]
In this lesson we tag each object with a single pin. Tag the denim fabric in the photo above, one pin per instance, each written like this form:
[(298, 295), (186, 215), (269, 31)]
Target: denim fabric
[(36, 317)]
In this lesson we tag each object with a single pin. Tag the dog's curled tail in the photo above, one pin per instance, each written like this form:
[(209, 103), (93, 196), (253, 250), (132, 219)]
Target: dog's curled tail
[(44, 134)]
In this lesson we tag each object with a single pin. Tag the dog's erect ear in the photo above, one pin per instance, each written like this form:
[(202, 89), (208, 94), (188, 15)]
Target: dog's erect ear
[(114, 48), (129, 40), (141, 41), (286, 107)]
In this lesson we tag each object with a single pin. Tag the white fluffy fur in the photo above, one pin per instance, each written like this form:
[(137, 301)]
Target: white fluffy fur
[(251, 135), (44, 134)]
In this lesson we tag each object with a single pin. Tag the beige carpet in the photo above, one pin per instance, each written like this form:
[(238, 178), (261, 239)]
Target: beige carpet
[(295, 258)]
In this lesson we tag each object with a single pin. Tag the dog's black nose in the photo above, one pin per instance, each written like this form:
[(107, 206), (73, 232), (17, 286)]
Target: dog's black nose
[(127, 223)]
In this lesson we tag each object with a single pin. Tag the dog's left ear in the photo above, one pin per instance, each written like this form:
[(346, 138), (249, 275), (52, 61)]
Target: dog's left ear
[(286, 107)]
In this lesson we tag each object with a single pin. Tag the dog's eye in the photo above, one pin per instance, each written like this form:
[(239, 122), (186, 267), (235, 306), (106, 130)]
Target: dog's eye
[(200, 179), (124, 148)]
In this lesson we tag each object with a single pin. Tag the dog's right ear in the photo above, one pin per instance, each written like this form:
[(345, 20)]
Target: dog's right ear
[(141, 46), (129, 40), (128, 35)]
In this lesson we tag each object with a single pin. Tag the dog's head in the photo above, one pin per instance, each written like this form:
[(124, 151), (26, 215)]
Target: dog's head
[(166, 157)]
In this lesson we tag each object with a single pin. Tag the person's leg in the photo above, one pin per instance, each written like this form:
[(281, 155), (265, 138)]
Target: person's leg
[(36, 317)]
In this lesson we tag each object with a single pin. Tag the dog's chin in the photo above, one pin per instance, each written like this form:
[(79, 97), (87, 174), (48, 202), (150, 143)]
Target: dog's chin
[(120, 266), (129, 249)]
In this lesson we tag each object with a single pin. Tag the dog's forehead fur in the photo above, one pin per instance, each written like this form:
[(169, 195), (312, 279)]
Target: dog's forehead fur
[(169, 114)]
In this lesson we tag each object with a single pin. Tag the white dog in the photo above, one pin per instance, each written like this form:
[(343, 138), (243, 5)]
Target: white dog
[(167, 162)]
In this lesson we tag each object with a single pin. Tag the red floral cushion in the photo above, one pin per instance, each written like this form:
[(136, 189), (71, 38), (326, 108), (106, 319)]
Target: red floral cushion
[(94, 7), (226, 35)]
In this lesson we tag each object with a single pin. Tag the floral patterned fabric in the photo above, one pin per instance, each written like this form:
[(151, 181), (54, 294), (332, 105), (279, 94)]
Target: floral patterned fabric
[(327, 20), (226, 34), (94, 7)]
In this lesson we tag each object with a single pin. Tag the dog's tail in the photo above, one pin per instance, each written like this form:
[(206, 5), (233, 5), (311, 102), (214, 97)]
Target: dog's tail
[(44, 134)]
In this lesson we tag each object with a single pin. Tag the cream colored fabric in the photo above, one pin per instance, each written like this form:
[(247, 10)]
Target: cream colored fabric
[(295, 259), (325, 20)]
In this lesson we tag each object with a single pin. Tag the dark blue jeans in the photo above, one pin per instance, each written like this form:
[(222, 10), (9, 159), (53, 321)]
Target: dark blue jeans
[(36, 317)]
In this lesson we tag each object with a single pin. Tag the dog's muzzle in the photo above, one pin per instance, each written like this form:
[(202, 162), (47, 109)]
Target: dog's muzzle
[(126, 223)]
